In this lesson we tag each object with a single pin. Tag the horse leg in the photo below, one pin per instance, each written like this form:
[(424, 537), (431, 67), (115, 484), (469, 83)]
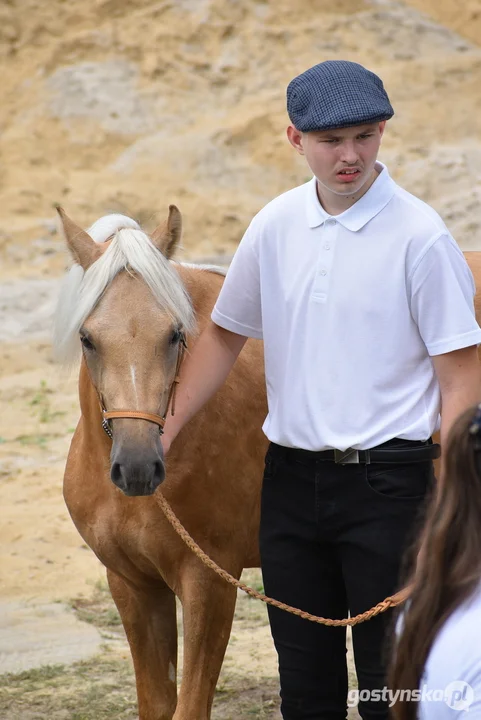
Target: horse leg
[(149, 619), (208, 609)]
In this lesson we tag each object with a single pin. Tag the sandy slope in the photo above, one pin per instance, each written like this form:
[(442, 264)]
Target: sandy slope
[(113, 105)]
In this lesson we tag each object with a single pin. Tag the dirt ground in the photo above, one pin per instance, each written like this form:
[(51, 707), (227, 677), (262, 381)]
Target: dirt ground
[(108, 105), (102, 687)]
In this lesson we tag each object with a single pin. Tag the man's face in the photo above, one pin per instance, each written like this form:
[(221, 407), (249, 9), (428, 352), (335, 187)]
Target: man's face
[(342, 160)]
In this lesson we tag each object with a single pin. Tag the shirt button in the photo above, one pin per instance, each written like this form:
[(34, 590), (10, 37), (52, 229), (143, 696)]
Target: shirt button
[(327, 246), (323, 272)]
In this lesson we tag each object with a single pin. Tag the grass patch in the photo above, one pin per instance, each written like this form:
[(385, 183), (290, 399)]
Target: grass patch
[(104, 689), (42, 406), (246, 703), (99, 689), (99, 609), (39, 440), (250, 611), (36, 675)]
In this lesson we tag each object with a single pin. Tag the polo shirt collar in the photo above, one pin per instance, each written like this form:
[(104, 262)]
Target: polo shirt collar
[(367, 207)]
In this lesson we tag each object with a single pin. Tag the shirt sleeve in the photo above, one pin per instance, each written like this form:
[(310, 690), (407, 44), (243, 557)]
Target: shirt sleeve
[(238, 307), (442, 294)]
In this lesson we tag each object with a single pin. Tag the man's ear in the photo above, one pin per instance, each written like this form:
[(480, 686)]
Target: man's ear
[(296, 138)]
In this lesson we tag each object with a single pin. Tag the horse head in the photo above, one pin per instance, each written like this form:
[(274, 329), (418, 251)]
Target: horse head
[(125, 306)]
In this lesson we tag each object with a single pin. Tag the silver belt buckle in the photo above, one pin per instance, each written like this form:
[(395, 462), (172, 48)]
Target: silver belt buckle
[(346, 457)]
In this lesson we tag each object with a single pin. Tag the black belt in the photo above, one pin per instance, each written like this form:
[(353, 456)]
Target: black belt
[(418, 451)]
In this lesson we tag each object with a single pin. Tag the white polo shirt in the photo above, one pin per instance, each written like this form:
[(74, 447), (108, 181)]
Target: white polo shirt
[(350, 307)]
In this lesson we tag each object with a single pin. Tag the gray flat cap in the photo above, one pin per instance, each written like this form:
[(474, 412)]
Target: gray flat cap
[(336, 94)]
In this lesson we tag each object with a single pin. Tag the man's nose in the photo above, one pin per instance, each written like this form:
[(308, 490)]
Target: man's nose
[(348, 153)]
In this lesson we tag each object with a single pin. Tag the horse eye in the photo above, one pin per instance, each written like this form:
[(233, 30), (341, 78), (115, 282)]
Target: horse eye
[(175, 337), (86, 343)]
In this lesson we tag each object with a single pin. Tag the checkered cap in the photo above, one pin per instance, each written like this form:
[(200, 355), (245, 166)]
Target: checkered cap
[(336, 94)]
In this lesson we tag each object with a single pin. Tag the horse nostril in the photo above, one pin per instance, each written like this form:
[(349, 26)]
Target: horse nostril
[(116, 473), (159, 473)]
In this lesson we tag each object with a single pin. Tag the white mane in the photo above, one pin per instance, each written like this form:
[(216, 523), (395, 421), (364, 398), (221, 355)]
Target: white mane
[(217, 269), (130, 248), (106, 226)]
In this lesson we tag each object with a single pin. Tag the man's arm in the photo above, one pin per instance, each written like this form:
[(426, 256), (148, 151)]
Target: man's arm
[(203, 373), (459, 376)]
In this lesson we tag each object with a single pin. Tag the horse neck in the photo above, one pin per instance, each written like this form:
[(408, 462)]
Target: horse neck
[(203, 287)]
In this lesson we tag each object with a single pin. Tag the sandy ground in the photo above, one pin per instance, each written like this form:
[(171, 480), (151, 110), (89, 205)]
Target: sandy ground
[(42, 556), (115, 106), (43, 561)]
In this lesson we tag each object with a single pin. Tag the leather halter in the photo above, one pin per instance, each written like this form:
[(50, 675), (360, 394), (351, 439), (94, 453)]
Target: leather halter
[(151, 417)]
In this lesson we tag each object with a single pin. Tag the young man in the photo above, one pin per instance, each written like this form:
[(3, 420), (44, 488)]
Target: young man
[(365, 305)]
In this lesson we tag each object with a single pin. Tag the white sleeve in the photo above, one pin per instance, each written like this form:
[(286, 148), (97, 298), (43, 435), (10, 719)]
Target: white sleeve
[(442, 293), (238, 307)]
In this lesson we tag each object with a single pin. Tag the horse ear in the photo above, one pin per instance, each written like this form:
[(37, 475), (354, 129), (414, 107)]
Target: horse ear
[(83, 249), (166, 237)]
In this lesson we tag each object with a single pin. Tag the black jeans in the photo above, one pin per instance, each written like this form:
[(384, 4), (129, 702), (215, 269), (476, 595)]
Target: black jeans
[(332, 539)]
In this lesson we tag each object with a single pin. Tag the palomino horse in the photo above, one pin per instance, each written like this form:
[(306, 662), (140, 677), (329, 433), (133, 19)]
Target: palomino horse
[(129, 306)]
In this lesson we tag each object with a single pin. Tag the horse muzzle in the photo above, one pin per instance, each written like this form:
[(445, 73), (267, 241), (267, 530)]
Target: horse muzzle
[(137, 475)]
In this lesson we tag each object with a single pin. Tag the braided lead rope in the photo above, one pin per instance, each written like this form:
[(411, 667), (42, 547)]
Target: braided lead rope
[(180, 530)]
